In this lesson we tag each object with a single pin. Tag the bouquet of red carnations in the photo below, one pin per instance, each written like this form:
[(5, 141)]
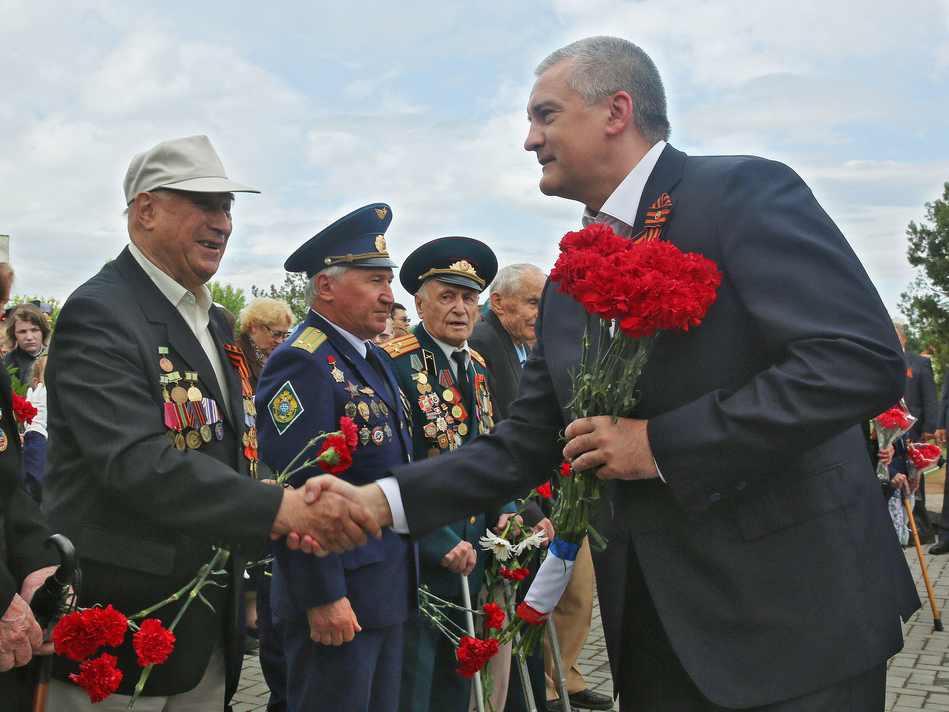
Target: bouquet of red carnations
[(920, 459), (890, 427), (636, 288)]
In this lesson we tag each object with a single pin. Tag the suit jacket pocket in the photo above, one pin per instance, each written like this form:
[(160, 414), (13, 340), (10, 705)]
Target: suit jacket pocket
[(127, 552), (371, 553), (797, 500)]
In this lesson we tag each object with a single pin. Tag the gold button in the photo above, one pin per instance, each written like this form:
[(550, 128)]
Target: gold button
[(473, 520)]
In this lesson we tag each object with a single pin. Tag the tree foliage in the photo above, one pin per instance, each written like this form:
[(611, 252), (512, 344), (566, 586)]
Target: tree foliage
[(55, 303), (926, 301), (291, 292), (227, 296)]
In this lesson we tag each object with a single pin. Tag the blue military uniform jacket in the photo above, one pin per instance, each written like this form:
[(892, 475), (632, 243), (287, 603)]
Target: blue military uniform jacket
[(442, 421), (307, 385)]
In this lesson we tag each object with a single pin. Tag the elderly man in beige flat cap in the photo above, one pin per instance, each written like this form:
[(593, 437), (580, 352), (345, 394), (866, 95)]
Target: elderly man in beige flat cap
[(152, 438)]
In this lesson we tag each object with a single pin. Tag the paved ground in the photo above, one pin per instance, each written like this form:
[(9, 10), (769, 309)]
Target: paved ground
[(918, 676)]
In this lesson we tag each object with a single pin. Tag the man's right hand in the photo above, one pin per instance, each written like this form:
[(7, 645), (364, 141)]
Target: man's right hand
[(333, 623), (941, 435), (330, 521), (20, 635), (368, 498), (461, 559)]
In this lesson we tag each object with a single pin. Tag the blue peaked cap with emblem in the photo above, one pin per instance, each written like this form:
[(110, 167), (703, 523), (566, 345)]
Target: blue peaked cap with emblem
[(355, 240), (462, 261)]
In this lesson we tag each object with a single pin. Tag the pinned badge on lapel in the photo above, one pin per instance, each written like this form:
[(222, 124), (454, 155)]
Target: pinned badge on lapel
[(284, 407)]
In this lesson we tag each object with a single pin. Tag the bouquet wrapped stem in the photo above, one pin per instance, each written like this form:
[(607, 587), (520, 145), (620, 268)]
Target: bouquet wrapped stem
[(890, 427)]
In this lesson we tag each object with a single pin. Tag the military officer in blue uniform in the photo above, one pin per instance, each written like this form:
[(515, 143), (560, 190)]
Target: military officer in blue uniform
[(446, 384), (341, 616)]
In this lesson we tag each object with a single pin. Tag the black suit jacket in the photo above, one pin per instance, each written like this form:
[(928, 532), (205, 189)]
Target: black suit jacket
[(504, 366), (142, 514), (23, 530), (921, 394), (767, 550)]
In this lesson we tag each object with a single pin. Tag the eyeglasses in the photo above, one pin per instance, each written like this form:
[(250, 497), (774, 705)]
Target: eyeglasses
[(278, 334), (403, 319)]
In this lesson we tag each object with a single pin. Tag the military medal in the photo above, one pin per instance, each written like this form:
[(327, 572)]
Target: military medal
[(456, 411), (164, 363), (363, 410), (219, 430), (180, 441), (432, 452), (350, 410), (179, 394), (4, 441), (194, 394), (462, 429), (430, 430), (388, 431), (193, 439), (352, 388), (374, 407), (442, 441), (377, 435), (364, 435), (335, 373), (447, 395), (206, 433)]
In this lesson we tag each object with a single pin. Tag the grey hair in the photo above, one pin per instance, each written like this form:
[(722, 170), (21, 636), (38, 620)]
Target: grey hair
[(508, 278), (333, 272), (605, 65)]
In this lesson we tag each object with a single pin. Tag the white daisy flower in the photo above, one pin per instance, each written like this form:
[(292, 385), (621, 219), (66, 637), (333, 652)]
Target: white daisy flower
[(534, 541), (493, 543)]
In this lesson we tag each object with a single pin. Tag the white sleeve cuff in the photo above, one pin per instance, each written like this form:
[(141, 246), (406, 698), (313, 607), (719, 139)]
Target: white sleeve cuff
[(390, 488)]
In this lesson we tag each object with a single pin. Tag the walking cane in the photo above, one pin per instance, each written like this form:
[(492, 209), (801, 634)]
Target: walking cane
[(526, 688), (45, 605), (469, 619), (558, 662), (937, 624)]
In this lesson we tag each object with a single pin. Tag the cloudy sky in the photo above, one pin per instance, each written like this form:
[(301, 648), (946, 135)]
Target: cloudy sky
[(421, 104)]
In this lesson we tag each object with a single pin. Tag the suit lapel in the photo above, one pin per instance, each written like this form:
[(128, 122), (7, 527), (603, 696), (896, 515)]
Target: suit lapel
[(664, 177), (509, 349)]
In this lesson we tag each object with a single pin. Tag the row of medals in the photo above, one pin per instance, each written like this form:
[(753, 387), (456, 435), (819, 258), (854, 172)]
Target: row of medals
[(378, 409), (181, 395), (441, 415)]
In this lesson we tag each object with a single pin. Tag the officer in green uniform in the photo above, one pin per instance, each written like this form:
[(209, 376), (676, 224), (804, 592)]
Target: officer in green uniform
[(446, 385)]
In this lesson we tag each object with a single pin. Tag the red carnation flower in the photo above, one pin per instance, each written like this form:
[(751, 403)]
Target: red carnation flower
[(334, 456), (350, 432), (565, 469), (544, 490), (922, 456), (153, 643), (894, 419), (494, 615), (98, 677), (473, 654), (24, 410), (514, 574), (80, 634)]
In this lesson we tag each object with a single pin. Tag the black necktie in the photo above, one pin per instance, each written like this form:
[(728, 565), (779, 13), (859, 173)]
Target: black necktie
[(462, 380), (373, 361)]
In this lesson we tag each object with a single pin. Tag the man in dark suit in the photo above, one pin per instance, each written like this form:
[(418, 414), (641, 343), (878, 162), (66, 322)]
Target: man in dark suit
[(150, 448), (341, 616), (24, 562), (760, 570)]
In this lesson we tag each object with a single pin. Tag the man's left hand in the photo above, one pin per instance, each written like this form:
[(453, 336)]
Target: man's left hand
[(620, 450)]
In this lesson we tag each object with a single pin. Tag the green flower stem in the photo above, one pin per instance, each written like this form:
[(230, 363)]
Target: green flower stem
[(192, 590)]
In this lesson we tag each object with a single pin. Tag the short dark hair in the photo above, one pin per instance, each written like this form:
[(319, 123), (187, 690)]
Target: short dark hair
[(29, 313), (395, 306)]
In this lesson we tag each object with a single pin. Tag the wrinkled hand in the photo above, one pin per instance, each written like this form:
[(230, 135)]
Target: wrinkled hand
[(503, 520), (461, 559), (941, 435), (334, 623), (546, 526), (327, 514), (20, 635), (369, 497), (30, 584), (886, 454), (899, 481), (620, 450), (926, 437)]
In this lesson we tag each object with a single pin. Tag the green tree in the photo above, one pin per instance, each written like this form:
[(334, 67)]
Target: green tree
[(291, 292), (926, 302), (227, 296)]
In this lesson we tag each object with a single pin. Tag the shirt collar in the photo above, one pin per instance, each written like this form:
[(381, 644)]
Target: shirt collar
[(624, 201), (449, 350), (173, 291), (354, 341)]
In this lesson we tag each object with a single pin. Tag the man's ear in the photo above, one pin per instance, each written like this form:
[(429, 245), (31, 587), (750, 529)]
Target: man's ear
[(621, 112), (496, 305), (145, 207), (420, 305), (324, 287)]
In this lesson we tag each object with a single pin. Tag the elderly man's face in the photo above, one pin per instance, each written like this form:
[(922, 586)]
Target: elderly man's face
[(518, 312), (448, 310), (359, 300), (188, 234)]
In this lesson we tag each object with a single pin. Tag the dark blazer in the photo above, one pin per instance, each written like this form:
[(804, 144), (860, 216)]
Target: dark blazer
[(504, 365), (767, 551), (378, 577), (23, 530), (142, 514), (921, 394)]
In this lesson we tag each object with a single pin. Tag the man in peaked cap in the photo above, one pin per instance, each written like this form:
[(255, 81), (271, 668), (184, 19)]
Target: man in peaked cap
[(152, 435), (446, 384), (340, 617)]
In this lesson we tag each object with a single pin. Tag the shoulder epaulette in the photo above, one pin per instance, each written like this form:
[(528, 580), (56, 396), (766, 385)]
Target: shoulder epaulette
[(477, 357), (309, 339), (402, 345)]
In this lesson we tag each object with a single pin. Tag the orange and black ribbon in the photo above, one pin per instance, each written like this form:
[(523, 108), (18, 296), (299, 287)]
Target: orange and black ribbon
[(656, 218)]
